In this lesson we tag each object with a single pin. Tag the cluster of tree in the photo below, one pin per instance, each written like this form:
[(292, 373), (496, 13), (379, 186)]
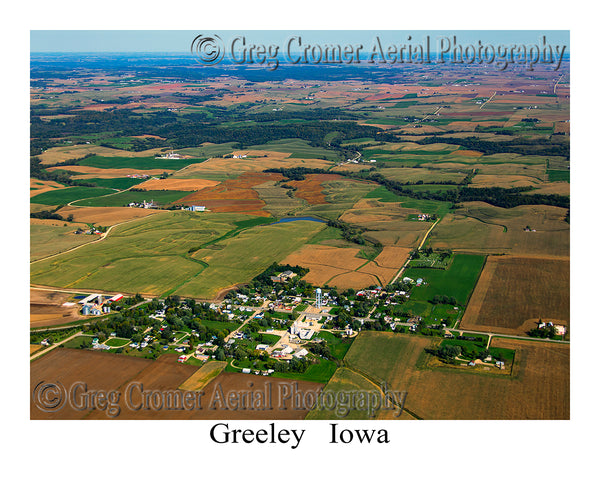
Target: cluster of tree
[(443, 299), (547, 331), (351, 233), (51, 215), (446, 353), (539, 146)]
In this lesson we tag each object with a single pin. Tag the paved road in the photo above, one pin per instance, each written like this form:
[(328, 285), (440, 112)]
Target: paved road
[(52, 347)]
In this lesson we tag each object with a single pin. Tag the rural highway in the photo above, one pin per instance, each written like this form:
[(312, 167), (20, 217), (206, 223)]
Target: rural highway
[(487, 101)]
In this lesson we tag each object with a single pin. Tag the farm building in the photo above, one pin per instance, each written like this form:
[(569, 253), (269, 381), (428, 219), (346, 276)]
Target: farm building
[(196, 208)]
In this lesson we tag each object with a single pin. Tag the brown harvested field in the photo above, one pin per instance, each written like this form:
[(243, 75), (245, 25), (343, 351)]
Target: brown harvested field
[(127, 375), (234, 195), (386, 222), (513, 293), (105, 216), (311, 188), (184, 184), (353, 280), (324, 261), (554, 188), (387, 263), (538, 387), (265, 160), (94, 172), (40, 186), (45, 309), (65, 366), (481, 228)]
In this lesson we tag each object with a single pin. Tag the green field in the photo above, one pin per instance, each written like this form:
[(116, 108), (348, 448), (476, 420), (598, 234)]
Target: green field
[(457, 281), (320, 372), (341, 195), (47, 240), (117, 342), (122, 199), (244, 256), (118, 183), (230, 326), (147, 255), (138, 163), (78, 341), (559, 175), (62, 196)]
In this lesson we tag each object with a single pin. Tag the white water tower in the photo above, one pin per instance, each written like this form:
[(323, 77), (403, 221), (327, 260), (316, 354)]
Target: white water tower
[(319, 299)]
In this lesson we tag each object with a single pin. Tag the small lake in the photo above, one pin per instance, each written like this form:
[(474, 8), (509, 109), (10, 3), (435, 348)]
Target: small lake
[(293, 219)]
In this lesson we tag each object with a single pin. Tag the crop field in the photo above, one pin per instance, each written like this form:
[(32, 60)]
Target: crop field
[(325, 262), (178, 184), (145, 255), (513, 293), (482, 228), (88, 173), (340, 196), (311, 188), (457, 281), (99, 370), (71, 152), (138, 163), (119, 183), (63, 196), (256, 161), (297, 148), (40, 186), (240, 258), (52, 237), (234, 195), (344, 381), (277, 201), (122, 199), (538, 389), (386, 222), (105, 216), (203, 376)]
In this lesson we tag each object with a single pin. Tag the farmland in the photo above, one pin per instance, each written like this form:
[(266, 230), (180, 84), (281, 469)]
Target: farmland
[(425, 207), (540, 285), (110, 372), (539, 388)]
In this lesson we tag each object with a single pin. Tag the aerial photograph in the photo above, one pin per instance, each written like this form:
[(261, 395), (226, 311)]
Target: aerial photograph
[(300, 225)]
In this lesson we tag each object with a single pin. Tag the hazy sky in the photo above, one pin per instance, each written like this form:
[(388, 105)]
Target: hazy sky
[(179, 41)]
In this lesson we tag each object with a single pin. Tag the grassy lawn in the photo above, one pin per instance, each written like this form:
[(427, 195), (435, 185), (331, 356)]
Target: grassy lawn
[(117, 342), (320, 372)]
